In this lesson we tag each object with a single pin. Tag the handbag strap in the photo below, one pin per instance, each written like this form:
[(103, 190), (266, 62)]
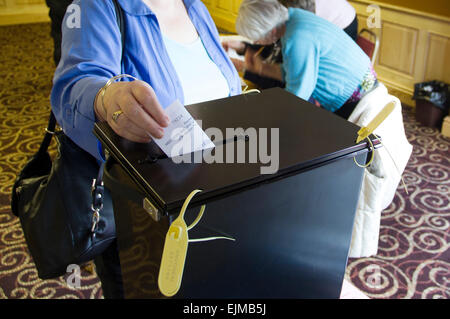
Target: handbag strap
[(121, 24), (97, 193), (49, 132), (98, 188)]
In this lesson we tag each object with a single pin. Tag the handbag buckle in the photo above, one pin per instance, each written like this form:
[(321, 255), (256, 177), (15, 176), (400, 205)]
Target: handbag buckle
[(95, 219), (96, 193)]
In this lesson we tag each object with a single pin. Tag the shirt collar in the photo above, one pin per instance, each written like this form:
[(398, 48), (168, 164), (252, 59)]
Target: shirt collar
[(138, 7)]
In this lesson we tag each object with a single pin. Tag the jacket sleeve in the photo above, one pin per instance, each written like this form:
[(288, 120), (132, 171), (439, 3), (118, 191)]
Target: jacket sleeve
[(301, 66), (91, 53)]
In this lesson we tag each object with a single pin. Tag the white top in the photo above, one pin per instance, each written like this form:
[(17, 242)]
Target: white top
[(200, 78), (339, 12)]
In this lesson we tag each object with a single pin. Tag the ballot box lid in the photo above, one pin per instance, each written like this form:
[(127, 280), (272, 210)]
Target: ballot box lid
[(306, 137)]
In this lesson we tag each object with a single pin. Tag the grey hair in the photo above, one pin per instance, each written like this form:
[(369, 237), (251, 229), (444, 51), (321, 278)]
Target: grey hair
[(256, 18), (309, 5)]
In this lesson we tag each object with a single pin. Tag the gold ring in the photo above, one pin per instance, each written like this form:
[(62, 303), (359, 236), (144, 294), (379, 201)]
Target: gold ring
[(116, 115)]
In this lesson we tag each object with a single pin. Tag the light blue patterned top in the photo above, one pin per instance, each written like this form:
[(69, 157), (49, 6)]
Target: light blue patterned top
[(320, 60)]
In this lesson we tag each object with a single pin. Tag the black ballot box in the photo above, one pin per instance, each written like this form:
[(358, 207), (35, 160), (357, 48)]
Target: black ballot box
[(292, 227)]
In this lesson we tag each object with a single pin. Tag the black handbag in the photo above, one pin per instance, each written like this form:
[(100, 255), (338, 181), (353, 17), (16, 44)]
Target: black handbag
[(66, 213)]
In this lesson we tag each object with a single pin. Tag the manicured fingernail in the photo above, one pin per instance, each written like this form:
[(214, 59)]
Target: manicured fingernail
[(166, 120), (160, 132)]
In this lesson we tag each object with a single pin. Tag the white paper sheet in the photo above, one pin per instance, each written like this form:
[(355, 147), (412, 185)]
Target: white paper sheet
[(225, 37), (232, 54), (183, 135)]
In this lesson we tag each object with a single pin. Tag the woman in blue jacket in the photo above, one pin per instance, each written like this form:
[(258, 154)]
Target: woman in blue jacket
[(161, 35)]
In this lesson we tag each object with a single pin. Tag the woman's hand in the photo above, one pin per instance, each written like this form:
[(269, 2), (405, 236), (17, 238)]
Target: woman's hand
[(255, 64), (238, 64), (141, 114), (238, 46)]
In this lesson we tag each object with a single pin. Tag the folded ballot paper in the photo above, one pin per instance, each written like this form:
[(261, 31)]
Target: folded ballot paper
[(183, 135)]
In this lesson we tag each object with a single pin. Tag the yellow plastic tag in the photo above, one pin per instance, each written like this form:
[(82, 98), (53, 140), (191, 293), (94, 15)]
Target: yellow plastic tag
[(364, 132), (175, 250), (173, 258)]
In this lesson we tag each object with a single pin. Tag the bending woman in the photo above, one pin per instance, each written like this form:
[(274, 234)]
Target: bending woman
[(319, 59), (161, 35)]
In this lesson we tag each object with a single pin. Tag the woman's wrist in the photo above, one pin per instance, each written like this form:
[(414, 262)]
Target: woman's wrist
[(99, 103), (99, 112)]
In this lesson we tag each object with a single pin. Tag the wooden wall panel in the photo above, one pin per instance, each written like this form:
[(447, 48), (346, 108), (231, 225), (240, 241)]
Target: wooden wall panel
[(23, 11), (225, 5), (25, 2), (398, 48), (414, 47), (438, 59)]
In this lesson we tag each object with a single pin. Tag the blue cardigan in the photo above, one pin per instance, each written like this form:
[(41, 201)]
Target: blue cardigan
[(320, 60), (91, 54)]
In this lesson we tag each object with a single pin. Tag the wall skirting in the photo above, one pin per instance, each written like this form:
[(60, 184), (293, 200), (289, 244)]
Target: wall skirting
[(23, 13)]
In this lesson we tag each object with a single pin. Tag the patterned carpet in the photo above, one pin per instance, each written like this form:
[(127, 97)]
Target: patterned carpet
[(413, 259), (414, 255)]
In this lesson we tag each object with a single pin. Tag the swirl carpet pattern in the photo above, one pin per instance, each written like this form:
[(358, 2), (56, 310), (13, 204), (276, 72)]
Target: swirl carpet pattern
[(413, 260)]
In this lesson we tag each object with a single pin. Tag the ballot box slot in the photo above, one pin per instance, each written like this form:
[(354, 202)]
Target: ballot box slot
[(158, 154)]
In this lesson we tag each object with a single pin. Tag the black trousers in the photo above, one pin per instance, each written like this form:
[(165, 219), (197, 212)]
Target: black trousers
[(108, 270), (108, 264), (346, 110)]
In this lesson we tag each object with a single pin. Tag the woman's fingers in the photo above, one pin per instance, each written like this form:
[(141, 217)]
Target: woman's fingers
[(140, 114), (249, 59), (124, 127), (253, 61), (238, 64), (234, 44), (146, 97), (225, 46), (139, 117)]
